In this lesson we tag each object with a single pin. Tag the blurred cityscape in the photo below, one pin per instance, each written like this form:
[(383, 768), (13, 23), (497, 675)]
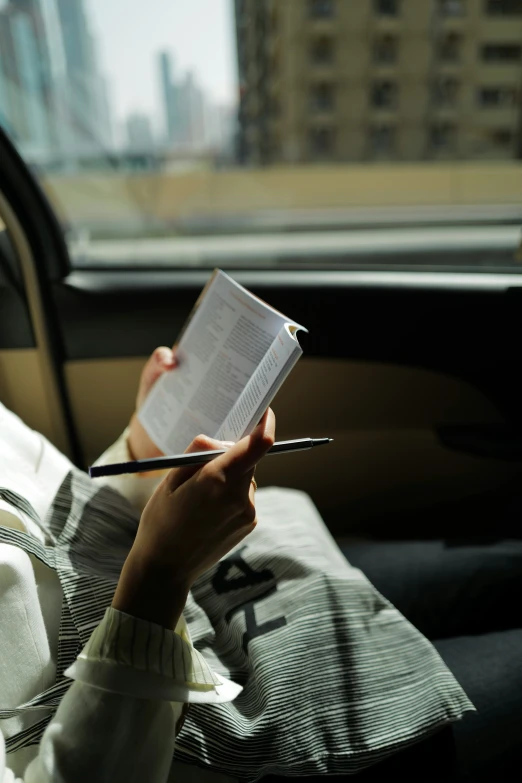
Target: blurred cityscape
[(55, 99), (319, 81), (429, 92)]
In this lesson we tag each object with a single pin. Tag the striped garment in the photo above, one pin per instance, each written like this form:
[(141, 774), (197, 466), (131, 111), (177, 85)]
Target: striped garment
[(335, 679)]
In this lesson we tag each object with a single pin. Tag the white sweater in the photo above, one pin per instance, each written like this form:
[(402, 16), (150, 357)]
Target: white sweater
[(136, 706)]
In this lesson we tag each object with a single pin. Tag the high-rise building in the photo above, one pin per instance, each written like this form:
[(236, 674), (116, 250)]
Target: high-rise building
[(48, 33), (339, 80), (35, 134), (220, 127), (194, 112), (184, 106), (170, 100), (55, 90), (139, 133), (24, 95), (4, 98), (11, 109), (46, 20), (88, 106)]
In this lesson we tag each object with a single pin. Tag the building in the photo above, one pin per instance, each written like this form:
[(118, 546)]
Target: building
[(187, 113), (35, 130), (220, 127), (140, 138), (55, 97), (87, 97), (172, 99), (362, 80), (23, 86), (194, 110)]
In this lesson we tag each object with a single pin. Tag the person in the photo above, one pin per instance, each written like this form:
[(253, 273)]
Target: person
[(290, 660)]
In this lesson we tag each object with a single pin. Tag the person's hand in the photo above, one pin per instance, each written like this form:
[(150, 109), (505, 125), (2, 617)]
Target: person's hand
[(139, 443), (195, 517)]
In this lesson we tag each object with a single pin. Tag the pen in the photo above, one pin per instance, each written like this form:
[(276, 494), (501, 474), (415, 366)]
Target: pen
[(198, 457)]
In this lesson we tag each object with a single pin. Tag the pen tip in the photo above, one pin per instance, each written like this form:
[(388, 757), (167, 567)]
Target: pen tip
[(330, 440)]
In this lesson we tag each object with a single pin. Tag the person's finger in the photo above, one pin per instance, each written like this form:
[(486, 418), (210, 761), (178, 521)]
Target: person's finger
[(160, 361), (252, 493), (243, 456), (179, 476)]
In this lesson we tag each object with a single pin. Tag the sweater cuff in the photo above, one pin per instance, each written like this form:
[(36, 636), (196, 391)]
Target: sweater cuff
[(134, 657), (136, 487)]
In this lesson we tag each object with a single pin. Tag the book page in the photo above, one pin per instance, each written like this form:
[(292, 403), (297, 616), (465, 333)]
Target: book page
[(225, 340), (263, 386)]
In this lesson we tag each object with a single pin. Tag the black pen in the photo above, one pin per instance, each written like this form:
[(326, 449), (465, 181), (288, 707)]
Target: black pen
[(198, 457)]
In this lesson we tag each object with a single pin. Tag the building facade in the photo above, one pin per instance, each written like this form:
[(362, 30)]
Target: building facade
[(363, 80), (53, 96), (168, 98)]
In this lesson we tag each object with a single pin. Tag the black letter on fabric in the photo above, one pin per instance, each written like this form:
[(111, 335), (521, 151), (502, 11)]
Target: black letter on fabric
[(252, 628), (221, 584)]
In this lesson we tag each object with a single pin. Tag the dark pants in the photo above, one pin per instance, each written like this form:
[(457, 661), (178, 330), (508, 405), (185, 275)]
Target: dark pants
[(467, 599)]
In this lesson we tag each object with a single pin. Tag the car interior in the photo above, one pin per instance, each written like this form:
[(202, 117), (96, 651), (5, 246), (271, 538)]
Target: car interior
[(415, 375), (356, 165)]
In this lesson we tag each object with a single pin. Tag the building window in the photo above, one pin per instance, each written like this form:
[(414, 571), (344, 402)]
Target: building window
[(445, 92), (322, 50), (503, 7), (501, 138), (501, 53), (449, 48), (382, 139), (387, 7), (322, 97), (491, 97), (384, 95), (385, 51), (442, 136), (322, 9), (451, 7), (322, 142)]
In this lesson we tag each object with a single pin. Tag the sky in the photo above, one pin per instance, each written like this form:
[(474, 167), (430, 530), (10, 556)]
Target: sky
[(198, 33)]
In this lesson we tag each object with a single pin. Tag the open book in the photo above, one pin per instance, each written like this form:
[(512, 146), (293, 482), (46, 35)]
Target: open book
[(234, 354)]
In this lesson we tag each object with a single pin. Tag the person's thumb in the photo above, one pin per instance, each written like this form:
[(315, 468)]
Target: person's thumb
[(161, 360)]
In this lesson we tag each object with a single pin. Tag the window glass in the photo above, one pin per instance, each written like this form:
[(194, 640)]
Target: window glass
[(445, 91), (443, 136), (382, 140), (322, 8), (492, 97), (322, 97), (504, 7), (451, 7), (322, 50), (502, 53), (450, 47), (385, 51), (384, 94), (263, 133), (387, 7)]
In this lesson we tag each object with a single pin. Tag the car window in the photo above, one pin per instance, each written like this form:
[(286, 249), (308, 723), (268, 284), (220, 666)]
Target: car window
[(271, 134)]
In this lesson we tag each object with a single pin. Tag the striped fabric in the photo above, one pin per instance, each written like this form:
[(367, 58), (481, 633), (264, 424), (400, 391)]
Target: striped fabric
[(129, 641), (117, 639), (334, 678)]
